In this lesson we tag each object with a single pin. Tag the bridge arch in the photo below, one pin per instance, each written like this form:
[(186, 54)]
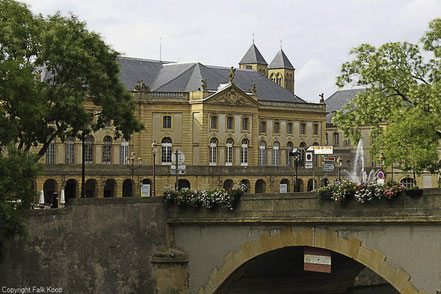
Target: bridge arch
[(329, 239)]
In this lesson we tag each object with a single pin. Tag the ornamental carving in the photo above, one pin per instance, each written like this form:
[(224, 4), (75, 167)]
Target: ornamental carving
[(231, 98)]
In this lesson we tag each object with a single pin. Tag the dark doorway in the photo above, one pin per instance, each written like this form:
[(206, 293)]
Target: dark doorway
[(183, 183), (71, 189), (109, 188), (298, 186), (260, 186), (311, 185), (228, 185), (50, 188), (91, 188), (128, 188)]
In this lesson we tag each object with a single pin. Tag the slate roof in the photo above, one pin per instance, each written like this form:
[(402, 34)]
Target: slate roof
[(281, 61), (186, 77), (336, 101), (253, 56)]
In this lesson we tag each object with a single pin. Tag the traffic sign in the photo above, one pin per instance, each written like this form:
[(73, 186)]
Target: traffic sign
[(181, 157), (308, 156), (328, 167), (380, 175), (329, 158), (321, 149), (308, 164)]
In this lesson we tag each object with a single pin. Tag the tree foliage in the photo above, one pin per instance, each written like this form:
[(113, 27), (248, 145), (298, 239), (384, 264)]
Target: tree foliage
[(17, 173), (403, 92), (57, 79), (51, 68)]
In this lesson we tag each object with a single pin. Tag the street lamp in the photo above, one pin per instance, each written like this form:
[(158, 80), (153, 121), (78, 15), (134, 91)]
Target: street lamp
[(154, 151), (133, 162), (339, 164), (296, 154)]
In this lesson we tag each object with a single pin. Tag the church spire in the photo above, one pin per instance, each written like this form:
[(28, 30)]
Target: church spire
[(254, 60)]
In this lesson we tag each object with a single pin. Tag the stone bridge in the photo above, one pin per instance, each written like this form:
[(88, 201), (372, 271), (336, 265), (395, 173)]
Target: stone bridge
[(138, 245)]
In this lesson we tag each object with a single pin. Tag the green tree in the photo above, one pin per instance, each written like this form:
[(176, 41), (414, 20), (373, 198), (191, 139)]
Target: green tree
[(57, 79), (403, 92), (17, 173)]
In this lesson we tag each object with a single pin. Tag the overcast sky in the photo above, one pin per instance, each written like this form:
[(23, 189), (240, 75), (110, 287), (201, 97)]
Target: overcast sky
[(316, 34)]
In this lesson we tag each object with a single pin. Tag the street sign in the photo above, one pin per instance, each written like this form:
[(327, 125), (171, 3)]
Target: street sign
[(308, 156), (283, 188), (380, 175), (321, 149), (317, 260), (328, 167), (329, 158), (181, 157), (180, 172), (145, 190), (308, 164), (180, 166)]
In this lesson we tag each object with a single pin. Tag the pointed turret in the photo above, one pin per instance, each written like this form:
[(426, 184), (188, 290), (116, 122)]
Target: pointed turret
[(281, 71), (254, 60)]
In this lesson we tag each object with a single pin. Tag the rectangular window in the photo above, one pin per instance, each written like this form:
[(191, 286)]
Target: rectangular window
[(166, 122), (214, 122), (302, 128), (248, 67), (262, 127), (336, 139), (276, 127), (315, 129), (50, 154), (229, 155), (245, 124), (70, 153), (124, 153), (289, 128), (230, 123)]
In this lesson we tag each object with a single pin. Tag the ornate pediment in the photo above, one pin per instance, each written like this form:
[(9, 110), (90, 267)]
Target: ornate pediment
[(232, 96)]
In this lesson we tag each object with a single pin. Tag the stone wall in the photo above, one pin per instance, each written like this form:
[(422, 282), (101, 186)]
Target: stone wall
[(94, 246)]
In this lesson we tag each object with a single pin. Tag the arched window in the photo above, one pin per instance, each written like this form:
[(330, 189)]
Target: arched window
[(302, 148), (166, 150), (50, 154), (70, 150), (124, 151), (289, 148), (88, 149), (262, 153), (407, 182), (244, 153), (229, 152), (272, 78), (107, 150), (213, 151), (276, 154)]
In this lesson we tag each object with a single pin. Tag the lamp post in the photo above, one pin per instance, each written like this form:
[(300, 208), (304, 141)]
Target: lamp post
[(83, 163), (296, 154), (339, 163), (132, 163), (154, 151)]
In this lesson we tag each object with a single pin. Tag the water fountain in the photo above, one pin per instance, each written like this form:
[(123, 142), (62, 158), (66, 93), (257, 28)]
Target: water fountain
[(358, 174)]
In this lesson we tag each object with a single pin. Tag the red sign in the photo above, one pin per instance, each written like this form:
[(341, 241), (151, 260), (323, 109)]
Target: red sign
[(317, 260), (329, 158)]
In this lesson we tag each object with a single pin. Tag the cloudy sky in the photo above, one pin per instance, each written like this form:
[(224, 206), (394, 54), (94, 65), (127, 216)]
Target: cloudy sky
[(316, 34)]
